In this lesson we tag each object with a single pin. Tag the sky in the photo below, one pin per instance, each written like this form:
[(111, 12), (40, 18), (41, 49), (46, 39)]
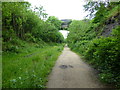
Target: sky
[(62, 9)]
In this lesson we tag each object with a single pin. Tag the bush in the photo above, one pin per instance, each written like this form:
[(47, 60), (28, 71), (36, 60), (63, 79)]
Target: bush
[(29, 37), (102, 53), (13, 45)]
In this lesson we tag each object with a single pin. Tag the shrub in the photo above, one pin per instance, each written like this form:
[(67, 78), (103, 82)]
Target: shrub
[(102, 53)]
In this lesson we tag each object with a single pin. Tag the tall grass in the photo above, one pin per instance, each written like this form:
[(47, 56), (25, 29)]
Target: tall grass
[(26, 70)]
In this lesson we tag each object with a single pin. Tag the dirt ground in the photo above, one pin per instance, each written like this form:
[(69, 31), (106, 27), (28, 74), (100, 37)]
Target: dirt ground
[(71, 72)]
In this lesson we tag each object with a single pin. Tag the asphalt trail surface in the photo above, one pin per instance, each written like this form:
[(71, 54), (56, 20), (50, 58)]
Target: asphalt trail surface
[(71, 72)]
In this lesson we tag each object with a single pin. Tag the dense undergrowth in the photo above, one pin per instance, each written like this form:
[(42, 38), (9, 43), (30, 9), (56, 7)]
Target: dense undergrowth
[(103, 53), (30, 45)]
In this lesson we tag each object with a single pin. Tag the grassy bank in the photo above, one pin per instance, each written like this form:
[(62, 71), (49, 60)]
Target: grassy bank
[(30, 67)]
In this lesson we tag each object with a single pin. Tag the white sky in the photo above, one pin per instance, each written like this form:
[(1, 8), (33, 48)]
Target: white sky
[(64, 33), (62, 9)]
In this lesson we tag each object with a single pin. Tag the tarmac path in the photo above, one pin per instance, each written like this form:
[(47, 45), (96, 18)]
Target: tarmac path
[(71, 72)]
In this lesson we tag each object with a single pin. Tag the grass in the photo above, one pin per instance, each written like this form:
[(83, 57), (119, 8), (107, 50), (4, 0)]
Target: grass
[(0, 71), (30, 71)]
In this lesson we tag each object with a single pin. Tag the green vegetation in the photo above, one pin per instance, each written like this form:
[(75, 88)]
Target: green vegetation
[(20, 22), (55, 21), (30, 68), (30, 45), (99, 47)]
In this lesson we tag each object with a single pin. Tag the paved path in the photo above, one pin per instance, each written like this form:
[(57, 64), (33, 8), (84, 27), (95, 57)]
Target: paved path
[(71, 72)]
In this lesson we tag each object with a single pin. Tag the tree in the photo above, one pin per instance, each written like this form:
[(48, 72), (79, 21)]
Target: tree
[(19, 21), (40, 12), (97, 8), (54, 21), (14, 17)]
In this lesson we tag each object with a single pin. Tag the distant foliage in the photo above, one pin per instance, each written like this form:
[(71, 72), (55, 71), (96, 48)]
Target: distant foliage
[(80, 33), (54, 21)]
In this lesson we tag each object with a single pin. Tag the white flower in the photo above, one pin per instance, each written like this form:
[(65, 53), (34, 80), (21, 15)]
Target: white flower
[(102, 77), (19, 78)]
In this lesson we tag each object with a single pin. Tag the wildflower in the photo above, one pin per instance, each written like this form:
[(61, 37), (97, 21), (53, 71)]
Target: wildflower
[(102, 77), (19, 78)]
